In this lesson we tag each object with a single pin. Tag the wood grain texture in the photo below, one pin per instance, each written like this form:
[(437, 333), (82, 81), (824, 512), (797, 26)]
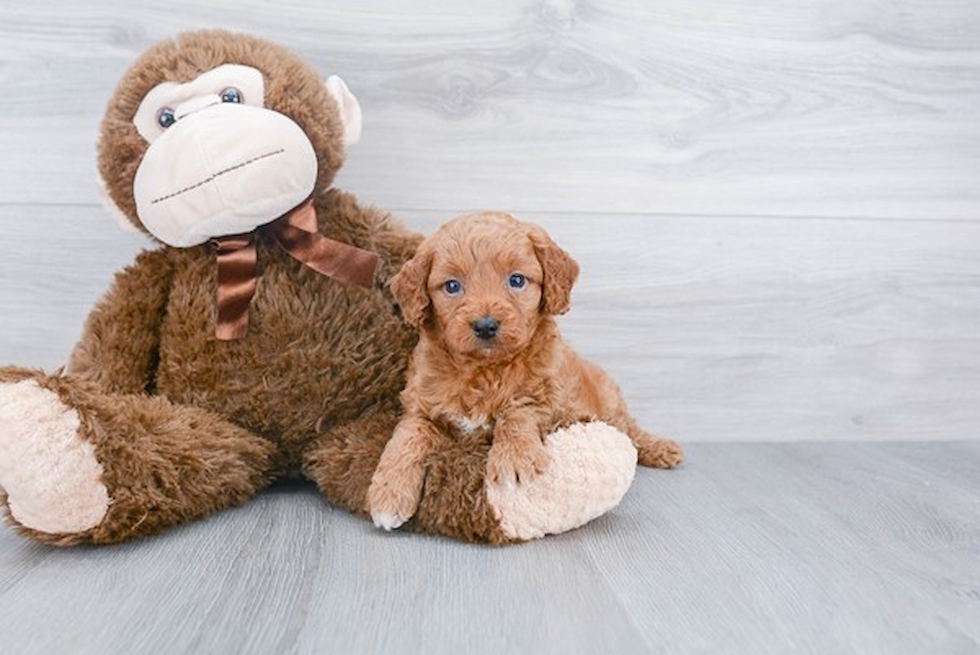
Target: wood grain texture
[(757, 194), (776, 209), (717, 329), (864, 549), (798, 108)]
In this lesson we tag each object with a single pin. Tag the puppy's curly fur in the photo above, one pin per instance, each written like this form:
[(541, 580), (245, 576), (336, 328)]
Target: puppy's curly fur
[(483, 292)]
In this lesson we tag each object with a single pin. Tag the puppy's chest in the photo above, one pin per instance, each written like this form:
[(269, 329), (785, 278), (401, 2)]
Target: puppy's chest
[(471, 410), (474, 405)]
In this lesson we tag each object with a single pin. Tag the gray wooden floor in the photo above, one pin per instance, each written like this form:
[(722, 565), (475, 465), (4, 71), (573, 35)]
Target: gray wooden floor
[(753, 548), (777, 211)]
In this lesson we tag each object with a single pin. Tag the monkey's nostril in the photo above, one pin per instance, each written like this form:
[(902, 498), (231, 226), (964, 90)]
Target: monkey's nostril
[(486, 327)]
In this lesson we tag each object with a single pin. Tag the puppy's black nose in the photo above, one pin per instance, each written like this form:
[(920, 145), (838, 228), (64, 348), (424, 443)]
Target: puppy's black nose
[(486, 327)]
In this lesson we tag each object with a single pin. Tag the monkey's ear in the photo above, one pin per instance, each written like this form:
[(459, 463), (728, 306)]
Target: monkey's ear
[(114, 210), (410, 287), (350, 109)]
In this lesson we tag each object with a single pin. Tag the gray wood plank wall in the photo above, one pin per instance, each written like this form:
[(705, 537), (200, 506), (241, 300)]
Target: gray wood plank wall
[(776, 204)]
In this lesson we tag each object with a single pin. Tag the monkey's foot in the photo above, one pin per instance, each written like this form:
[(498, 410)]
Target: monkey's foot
[(49, 473), (591, 468)]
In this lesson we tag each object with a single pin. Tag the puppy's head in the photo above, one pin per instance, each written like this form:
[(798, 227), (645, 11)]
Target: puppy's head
[(482, 282)]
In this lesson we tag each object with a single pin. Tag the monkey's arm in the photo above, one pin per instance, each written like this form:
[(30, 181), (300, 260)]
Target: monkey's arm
[(341, 216), (120, 342)]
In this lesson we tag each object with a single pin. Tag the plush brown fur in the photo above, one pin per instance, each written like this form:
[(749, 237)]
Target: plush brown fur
[(454, 500), (520, 384), (184, 424)]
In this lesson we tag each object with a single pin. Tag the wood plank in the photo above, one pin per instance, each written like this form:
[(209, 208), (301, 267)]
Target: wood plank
[(717, 329), (782, 108), (820, 548), (760, 548)]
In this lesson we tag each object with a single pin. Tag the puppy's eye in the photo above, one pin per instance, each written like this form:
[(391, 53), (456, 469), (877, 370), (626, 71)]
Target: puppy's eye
[(517, 281), (453, 287)]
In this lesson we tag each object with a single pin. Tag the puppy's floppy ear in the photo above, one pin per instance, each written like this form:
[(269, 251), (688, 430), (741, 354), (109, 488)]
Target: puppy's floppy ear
[(409, 286), (560, 271)]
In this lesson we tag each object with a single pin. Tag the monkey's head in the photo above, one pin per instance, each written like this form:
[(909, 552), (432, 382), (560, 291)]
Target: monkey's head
[(215, 133)]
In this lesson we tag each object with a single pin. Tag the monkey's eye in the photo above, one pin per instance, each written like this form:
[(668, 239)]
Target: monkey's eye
[(231, 94), (166, 117), (453, 287), (517, 281)]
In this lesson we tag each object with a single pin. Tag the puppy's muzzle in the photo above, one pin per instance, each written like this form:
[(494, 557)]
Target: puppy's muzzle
[(486, 328)]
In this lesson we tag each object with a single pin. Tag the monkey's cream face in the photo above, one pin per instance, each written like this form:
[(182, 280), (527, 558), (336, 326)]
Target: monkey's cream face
[(218, 162)]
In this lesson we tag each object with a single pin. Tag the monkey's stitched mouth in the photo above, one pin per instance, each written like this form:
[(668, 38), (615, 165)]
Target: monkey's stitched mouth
[(213, 177)]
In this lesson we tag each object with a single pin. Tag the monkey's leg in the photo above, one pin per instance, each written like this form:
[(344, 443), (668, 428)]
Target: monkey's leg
[(591, 467), (81, 466)]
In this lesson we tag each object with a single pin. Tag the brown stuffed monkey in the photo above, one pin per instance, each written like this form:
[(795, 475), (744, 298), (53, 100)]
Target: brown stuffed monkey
[(258, 339)]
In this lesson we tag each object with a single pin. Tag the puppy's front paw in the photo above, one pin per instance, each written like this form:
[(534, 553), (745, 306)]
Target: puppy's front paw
[(513, 463), (386, 521), (660, 453), (394, 496)]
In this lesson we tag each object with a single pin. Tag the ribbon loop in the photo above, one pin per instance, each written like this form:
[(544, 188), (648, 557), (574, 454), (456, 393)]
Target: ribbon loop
[(297, 234)]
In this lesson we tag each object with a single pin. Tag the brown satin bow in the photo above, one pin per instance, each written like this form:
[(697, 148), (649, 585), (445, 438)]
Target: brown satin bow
[(296, 233)]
